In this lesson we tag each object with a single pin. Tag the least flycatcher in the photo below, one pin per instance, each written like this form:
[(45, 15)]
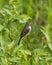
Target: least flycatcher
[(25, 31)]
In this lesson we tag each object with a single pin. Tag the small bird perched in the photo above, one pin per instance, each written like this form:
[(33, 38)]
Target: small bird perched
[(25, 31)]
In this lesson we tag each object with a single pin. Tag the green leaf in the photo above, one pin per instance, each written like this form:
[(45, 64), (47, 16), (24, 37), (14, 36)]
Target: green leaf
[(24, 18), (7, 11), (50, 46), (10, 45), (27, 52), (1, 27)]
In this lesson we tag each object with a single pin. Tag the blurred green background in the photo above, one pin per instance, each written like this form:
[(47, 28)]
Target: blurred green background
[(37, 49)]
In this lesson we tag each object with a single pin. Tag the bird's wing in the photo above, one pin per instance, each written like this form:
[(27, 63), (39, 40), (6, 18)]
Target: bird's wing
[(24, 32)]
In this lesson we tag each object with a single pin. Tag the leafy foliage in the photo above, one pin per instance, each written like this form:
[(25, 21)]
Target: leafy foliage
[(37, 49)]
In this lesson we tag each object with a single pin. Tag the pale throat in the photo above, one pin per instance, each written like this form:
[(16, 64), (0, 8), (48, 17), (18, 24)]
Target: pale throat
[(29, 28)]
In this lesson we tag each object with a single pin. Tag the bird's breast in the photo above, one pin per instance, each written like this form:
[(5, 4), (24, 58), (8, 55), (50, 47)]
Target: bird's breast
[(29, 28)]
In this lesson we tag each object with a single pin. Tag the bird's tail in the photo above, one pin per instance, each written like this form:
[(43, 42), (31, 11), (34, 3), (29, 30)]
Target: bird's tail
[(19, 40)]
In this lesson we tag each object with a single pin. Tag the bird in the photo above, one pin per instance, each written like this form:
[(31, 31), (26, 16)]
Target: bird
[(25, 31)]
